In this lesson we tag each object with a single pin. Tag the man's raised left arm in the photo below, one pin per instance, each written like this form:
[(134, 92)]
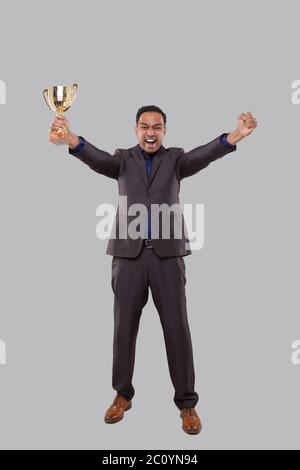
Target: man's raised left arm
[(195, 160)]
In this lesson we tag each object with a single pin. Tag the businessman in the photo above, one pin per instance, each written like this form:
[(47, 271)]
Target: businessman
[(150, 174)]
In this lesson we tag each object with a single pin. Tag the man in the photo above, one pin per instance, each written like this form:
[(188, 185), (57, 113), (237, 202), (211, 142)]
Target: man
[(150, 174)]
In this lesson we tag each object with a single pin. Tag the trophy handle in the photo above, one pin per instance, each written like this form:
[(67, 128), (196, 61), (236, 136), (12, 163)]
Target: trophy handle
[(45, 92), (74, 91)]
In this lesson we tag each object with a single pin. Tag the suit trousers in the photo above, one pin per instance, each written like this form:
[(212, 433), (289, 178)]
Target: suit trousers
[(131, 279)]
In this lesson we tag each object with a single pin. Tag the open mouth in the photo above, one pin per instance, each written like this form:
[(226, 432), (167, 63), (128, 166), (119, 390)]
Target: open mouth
[(150, 142)]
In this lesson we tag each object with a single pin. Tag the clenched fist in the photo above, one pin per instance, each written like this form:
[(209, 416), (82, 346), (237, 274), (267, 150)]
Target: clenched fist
[(60, 134), (246, 123)]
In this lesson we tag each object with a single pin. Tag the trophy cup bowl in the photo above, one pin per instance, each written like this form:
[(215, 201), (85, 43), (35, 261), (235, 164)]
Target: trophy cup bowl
[(59, 99)]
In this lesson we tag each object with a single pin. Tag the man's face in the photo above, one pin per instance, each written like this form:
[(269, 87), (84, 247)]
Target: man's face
[(150, 131)]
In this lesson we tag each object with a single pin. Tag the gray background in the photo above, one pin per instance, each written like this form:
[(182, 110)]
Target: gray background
[(203, 63)]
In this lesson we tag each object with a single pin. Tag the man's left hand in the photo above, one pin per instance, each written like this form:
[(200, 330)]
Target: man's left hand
[(246, 123)]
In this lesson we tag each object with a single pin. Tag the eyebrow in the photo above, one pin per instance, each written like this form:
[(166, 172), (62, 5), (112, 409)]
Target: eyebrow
[(144, 124)]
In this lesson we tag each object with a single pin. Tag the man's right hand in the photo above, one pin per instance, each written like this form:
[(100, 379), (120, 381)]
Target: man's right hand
[(59, 132)]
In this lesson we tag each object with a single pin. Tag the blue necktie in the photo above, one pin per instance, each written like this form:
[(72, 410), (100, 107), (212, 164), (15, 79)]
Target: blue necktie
[(149, 161)]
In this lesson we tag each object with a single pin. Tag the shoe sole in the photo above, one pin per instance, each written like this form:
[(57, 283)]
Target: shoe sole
[(192, 432), (112, 421)]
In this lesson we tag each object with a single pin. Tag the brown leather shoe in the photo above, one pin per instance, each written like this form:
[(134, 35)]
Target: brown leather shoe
[(191, 422), (116, 411)]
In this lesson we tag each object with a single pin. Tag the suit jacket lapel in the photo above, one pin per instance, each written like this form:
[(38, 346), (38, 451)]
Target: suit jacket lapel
[(139, 159)]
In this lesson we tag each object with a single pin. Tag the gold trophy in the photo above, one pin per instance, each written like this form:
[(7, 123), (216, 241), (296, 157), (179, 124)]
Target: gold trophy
[(59, 99)]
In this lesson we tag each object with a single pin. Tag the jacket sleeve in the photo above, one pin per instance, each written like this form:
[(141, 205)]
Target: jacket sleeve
[(99, 160), (189, 163)]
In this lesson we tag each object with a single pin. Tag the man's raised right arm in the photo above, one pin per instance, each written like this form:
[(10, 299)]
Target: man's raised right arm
[(98, 160)]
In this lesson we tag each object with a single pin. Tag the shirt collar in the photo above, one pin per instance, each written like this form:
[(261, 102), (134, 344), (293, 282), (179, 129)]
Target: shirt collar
[(146, 154)]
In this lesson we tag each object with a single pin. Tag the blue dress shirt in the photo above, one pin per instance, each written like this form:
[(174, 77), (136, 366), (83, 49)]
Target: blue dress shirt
[(149, 161)]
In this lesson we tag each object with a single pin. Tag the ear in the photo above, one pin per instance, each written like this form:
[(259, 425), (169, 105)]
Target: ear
[(135, 130)]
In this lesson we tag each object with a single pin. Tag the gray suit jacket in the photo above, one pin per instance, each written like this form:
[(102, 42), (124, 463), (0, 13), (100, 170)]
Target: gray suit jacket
[(170, 166)]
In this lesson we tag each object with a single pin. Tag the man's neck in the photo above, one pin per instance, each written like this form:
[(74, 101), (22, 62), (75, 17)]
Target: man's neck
[(148, 154)]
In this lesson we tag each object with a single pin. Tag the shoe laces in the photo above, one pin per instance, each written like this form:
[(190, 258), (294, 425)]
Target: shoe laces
[(188, 411)]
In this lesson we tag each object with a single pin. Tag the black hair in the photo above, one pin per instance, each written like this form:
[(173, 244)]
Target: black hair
[(150, 108)]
